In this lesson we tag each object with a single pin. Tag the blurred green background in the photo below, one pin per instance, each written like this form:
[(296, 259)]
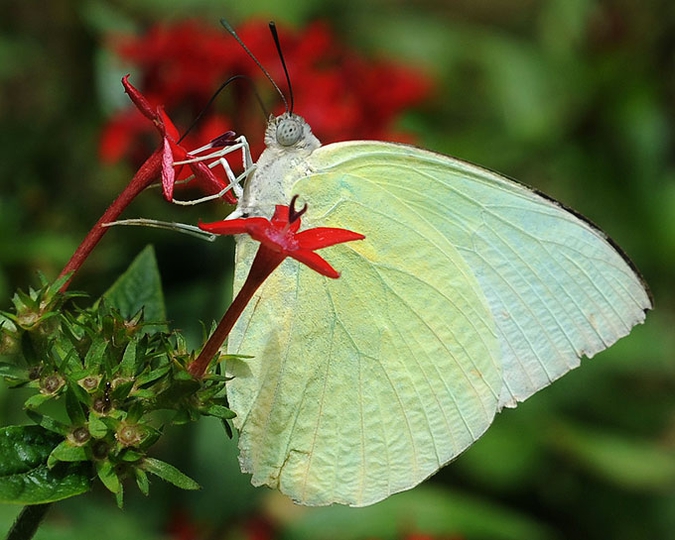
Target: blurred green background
[(574, 97)]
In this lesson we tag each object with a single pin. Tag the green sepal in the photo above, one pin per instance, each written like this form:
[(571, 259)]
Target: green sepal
[(74, 405), (169, 473), (106, 473), (131, 456), (97, 427), (67, 451), (36, 400), (142, 481), (152, 376), (122, 390), (14, 374), (25, 477)]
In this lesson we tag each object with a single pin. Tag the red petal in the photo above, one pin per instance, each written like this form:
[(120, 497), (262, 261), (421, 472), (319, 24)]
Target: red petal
[(170, 128), (168, 174), (321, 237), (233, 226), (138, 99), (315, 262)]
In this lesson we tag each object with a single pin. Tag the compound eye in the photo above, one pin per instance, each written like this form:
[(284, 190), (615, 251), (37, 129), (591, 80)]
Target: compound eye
[(288, 132)]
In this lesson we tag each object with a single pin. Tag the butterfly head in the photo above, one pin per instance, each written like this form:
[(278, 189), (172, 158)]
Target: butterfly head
[(290, 132)]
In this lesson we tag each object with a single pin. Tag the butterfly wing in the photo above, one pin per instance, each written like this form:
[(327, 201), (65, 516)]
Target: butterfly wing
[(469, 293)]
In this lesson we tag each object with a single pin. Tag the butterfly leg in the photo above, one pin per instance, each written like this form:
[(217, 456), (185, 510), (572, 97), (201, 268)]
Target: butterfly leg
[(218, 158)]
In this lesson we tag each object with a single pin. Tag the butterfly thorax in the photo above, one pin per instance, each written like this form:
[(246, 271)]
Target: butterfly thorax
[(289, 141)]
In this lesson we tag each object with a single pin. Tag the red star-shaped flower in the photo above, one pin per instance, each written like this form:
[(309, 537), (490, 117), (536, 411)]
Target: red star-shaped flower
[(279, 238), (172, 151)]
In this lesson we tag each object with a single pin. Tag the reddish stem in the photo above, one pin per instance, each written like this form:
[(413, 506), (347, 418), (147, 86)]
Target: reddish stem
[(142, 179), (263, 265)]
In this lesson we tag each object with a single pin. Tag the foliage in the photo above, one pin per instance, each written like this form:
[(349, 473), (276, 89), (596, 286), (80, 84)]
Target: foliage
[(111, 372)]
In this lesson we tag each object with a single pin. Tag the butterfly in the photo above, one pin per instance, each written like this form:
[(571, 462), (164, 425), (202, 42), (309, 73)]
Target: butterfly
[(469, 293)]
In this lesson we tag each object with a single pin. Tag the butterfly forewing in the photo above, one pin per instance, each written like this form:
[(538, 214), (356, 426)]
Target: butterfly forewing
[(556, 287)]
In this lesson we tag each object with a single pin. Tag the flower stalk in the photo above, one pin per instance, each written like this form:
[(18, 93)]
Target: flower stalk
[(160, 163), (141, 180)]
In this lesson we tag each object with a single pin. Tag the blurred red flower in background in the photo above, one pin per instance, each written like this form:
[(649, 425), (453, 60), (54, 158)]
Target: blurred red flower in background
[(341, 95)]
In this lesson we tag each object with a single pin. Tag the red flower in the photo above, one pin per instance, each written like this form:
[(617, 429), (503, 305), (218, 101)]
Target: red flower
[(342, 95), (279, 238), (172, 151)]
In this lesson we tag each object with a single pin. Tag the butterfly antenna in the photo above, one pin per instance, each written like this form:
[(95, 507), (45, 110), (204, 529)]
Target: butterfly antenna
[(231, 31), (215, 95), (275, 36)]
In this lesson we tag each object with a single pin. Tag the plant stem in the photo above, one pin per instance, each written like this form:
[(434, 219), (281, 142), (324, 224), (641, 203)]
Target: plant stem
[(142, 179), (263, 265), (27, 522)]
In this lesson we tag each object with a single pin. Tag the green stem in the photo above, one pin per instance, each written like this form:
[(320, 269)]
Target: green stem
[(26, 524)]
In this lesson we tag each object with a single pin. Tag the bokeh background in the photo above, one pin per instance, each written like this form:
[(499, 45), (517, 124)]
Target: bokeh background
[(574, 97)]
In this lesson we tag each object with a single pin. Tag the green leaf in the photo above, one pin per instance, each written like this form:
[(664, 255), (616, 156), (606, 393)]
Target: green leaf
[(48, 423), (218, 411), (24, 475), (152, 376), (169, 473), (139, 288)]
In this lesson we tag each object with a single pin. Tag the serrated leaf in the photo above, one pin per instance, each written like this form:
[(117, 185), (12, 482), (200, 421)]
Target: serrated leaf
[(36, 400), (24, 475), (122, 390), (139, 288), (169, 473)]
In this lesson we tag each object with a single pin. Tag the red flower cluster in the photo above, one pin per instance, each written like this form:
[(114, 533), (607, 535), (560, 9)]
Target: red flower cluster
[(341, 95)]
